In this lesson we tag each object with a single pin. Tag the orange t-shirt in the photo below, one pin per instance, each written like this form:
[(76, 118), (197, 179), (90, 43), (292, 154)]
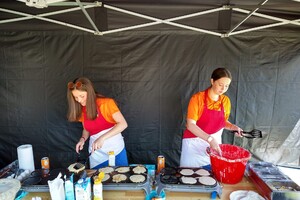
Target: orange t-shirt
[(107, 107), (196, 105)]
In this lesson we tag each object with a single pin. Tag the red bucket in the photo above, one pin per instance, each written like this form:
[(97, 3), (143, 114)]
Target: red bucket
[(230, 167)]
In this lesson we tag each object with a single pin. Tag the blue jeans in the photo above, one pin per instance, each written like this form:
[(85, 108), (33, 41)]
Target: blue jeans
[(207, 167)]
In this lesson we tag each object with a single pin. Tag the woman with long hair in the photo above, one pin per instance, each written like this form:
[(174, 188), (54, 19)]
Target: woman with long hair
[(102, 123)]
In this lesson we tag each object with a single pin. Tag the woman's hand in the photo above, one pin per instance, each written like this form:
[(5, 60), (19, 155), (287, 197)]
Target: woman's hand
[(98, 143), (80, 144), (238, 130), (120, 125), (214, 145)]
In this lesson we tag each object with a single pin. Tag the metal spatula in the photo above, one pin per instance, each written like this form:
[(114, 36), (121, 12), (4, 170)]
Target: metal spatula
[(252, 134), (82, 160)]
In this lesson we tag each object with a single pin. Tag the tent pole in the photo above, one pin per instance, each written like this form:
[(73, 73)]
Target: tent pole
[(269, 17), (46, 19), (130, 28), (197, 14), (167, 21), (262, 27), (171, 19), (42, 15), (194, 28), (88, 17), (247, 17)]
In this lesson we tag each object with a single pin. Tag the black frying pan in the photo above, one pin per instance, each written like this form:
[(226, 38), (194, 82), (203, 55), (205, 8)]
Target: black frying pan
[(83, 160), (252, 134)]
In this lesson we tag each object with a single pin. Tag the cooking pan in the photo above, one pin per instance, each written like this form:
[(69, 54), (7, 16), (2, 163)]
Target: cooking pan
[(35, 180), (79, 166), (252, 134), (83, 160)]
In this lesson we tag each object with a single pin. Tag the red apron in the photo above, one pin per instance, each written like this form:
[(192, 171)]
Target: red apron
[(97, 128), (211, 121), (193, 151), (97, 125)]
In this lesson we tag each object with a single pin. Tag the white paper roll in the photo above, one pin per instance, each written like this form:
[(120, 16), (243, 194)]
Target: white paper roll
[(25, 157)]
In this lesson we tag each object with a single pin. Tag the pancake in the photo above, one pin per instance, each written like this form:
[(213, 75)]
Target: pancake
[(76, 167), (139, 169), (119, 178), (137, 178), (106, 170), (122, 169), (207, 180), (186, 172), (202, 172), (188, 180)]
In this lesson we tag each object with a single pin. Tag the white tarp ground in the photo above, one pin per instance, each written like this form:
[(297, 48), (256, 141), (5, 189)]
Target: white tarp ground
[(289, 152), (268, 149)]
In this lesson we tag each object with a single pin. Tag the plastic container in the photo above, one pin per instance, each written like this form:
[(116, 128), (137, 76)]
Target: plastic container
[(230, 167), (111, 158), (97, 189), (69, 188)]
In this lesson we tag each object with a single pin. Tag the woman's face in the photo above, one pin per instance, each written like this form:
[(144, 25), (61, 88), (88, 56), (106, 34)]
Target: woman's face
[(221, 85), (80, 96)]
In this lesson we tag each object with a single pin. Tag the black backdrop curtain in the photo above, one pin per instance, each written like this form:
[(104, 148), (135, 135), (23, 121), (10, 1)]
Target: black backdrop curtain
[(151, 75)]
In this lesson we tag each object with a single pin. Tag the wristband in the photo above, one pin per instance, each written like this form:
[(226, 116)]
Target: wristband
[(83, 138)]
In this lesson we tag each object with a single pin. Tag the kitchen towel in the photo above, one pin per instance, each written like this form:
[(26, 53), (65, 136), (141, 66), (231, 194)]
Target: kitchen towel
[(25, 157)]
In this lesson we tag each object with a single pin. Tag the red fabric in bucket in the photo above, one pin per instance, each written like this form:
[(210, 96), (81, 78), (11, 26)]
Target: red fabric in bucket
[(230, 167)]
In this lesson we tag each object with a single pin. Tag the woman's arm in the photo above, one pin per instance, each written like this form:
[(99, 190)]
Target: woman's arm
[(80, 143), (121, 125), (196, 130)]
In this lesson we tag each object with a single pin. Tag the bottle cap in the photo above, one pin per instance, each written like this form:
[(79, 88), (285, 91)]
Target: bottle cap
[(97, 181)]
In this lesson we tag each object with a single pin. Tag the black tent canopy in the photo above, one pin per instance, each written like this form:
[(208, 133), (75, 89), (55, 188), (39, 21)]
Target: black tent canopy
[(150, 56), (219, 18)]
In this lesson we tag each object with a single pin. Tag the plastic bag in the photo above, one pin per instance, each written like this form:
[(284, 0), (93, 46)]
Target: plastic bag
[(56, 187)]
